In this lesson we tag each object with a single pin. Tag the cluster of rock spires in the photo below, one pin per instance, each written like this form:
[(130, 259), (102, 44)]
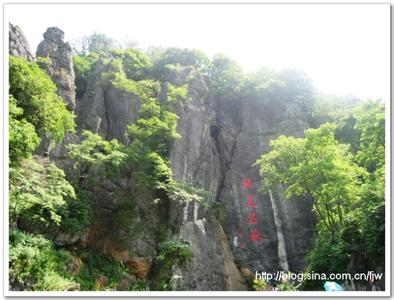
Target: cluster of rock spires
[(219, 161)]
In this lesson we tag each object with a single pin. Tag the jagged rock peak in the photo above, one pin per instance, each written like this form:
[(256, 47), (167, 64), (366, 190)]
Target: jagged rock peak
[(18, 44), (58, 64), (55, 35)]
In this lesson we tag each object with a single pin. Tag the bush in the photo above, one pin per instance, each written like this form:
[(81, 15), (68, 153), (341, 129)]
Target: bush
[(174, 251), (39, 193), (96, 265), (23, 137), (95, 152), (36, 264), (35, 93), (177, 56), (176, 93), (78, 214), (181, 191), (260, 285), (169, 253), (136, 64)]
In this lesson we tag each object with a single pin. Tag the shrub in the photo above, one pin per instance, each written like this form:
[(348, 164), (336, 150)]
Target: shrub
[(260, 285), (36, 264), (136, 64), (169, 253), (176, 93), (23, 137), (96, 265), (78, 214), (39, 193), (177, 56), (35, 93), (95, 152), (174, 251)]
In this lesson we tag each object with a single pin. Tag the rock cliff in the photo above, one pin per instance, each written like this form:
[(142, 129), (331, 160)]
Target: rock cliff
[(221, 139)]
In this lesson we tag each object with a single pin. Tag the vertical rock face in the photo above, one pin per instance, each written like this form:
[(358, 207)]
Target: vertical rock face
[(18, 44), (59, 64), (105, 109), (194, 159), (245, 128)]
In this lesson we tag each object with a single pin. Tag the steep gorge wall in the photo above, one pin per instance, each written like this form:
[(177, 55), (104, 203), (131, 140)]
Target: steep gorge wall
[(246, 127)]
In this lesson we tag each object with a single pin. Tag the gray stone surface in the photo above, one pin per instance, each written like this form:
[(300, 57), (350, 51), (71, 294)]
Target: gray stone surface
[(246, 126), (18, 44), (58, 64), (105, 109), (221, 140)]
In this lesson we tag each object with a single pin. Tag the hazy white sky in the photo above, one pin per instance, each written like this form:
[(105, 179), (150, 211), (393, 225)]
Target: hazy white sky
[(344, 48)]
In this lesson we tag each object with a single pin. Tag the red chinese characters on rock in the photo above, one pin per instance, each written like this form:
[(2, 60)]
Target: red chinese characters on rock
[(250, 202), (247, 183), (252, 218), (255, 235)]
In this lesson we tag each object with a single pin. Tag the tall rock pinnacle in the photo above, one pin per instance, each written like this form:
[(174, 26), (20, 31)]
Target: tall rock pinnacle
[(59, 64)]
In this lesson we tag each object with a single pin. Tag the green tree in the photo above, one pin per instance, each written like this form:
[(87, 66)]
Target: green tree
[(35, 94), (166, 61), (136, 64), (93, 152), (23, 137), (151, 137), (226, 76), (39, 193), (370, 121), (316, 166), (184, 57)]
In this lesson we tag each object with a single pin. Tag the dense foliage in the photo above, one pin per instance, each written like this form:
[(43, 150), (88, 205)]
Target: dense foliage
[(23, 137), (39, 193), (93, 152), (347, 190), (35, 264), (35, 94)]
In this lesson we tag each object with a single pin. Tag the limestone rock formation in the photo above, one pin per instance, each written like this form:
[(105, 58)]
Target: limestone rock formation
[(246, 127), (18, 44), (221, 140), (56, 58), (105, 109)]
